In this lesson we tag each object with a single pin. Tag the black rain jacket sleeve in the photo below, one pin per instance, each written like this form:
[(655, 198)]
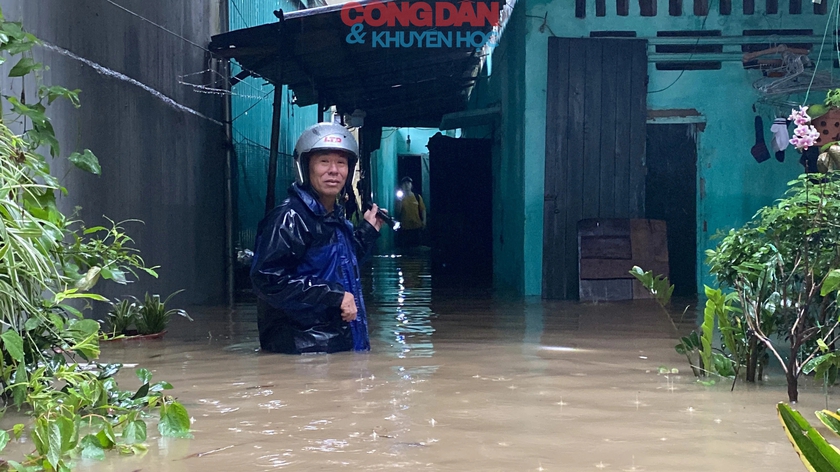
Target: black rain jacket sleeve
[(364, 240), (277, 254)]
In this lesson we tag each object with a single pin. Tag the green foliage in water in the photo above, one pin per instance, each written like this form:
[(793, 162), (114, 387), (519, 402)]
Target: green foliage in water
[(705, 360), (153, 317), (46, 260), (122, 316), (782, 267)]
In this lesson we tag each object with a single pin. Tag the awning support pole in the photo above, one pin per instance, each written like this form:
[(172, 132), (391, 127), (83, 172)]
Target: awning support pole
[(272, 153)]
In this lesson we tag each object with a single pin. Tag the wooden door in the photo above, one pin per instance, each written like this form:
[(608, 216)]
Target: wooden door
[(594, 145)]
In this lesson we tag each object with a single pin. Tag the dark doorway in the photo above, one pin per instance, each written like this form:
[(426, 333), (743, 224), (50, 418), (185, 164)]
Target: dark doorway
[(461, 228), (411, 165), (670, 195), (596, 111)]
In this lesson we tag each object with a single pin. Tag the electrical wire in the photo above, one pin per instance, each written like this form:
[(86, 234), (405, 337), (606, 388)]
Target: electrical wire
[(822, 45), (236, 7), (252, 106), (163, 28), (697, 43)]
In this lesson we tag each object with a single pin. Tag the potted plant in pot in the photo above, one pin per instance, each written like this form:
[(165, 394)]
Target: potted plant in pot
[(149, 318), (819, 125)]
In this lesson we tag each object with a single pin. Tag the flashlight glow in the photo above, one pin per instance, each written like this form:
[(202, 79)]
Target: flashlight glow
[(400, 194)]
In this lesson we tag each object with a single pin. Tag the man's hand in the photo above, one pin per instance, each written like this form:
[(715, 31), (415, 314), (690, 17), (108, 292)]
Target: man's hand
[(370, 217), (348, 307)]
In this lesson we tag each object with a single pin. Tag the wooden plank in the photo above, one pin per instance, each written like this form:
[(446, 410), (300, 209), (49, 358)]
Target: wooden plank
[(606, 290), (604, 227), (575, 192), (659, 244), (621, 150), (557, 133), (592, 127), (640, 239), (611, 76), (772, 7), (640, 292), (638, 124), (622, 7), (605, 247), (618, 268), (600, 7), (552, 148), (725, 7), (796, 7), (749, 7), (675, 7)]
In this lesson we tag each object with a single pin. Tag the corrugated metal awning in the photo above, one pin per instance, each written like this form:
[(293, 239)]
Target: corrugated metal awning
[(395, 86)]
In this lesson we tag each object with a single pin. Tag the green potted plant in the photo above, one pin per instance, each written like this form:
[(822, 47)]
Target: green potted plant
[(153, 317), (120, 318), (819, 125), (145, 319)]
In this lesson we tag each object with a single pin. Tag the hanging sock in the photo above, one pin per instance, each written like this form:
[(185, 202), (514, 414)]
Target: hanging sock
[(781, 138), (759, 151)]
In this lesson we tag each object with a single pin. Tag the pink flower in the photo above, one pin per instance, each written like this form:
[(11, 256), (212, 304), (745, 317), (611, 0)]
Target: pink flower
[(800, 117), (805, 135)]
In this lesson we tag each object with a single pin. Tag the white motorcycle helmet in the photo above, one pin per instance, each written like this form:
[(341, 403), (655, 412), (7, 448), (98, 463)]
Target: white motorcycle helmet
[(324, 137)]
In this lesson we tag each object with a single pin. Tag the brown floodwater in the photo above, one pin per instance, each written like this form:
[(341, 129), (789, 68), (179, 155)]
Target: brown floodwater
[(457, 381)]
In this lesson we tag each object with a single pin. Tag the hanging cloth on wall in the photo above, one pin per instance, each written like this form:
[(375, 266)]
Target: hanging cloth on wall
[(759, 151), (781, 138)]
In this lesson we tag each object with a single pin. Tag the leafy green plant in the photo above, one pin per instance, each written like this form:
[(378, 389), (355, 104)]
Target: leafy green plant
[(697, 347), (832, 98), (121, 317), (153, 317), (782, 269), (46, 260)]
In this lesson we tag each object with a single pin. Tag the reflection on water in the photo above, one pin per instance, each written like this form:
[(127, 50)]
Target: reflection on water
[(456, 381)]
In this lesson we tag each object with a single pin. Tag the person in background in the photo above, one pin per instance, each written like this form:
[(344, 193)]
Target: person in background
[(307, 255), (412, 215)]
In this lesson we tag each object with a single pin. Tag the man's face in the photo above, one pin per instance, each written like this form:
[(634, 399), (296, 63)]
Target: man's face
[(328, 172)]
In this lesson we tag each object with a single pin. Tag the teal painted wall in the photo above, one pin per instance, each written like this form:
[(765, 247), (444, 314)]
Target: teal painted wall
[(731, 185), (252, 106)]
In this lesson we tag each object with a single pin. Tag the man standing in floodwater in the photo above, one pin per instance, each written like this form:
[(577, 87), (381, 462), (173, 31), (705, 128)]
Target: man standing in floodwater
[(307, 255)]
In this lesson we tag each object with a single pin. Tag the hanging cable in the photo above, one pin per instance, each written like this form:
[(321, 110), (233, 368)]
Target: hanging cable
[(236, 7), (822, 45), (697, 43), (163, 28)]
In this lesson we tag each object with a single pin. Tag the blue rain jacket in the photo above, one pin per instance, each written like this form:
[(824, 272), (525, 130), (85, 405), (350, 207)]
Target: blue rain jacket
[(304, 261)]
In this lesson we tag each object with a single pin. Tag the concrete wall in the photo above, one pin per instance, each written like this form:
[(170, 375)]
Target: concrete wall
[(731, 185), (160, 164)]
